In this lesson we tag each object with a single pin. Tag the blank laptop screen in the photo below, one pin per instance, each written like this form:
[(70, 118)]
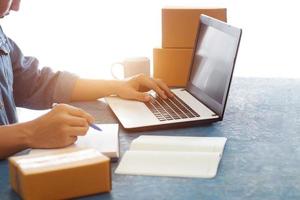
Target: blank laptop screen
[(213, 64)]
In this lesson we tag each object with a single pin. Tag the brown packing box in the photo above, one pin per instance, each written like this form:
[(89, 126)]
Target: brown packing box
[(60, 175), (172, 65), (179, 25)]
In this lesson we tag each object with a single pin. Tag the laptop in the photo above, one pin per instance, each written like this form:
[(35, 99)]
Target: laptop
[(204, 98)]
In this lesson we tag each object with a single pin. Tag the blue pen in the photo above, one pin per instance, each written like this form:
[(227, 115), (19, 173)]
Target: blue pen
[(94, 126)]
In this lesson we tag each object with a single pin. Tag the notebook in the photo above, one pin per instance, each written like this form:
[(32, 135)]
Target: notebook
[(106, 141), (173, 156)]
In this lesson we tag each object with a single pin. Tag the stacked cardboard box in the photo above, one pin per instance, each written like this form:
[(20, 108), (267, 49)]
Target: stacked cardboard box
[(179, 29)]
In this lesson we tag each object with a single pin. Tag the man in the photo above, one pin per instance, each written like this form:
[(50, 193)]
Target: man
[(23, 84)]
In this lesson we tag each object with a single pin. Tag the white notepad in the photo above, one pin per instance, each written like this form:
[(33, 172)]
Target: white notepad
[(106, 141), (173, 156)]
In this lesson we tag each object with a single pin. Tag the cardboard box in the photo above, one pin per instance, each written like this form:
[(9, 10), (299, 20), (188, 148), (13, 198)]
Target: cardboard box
[(60, 175), (179, 25), (172, 65)]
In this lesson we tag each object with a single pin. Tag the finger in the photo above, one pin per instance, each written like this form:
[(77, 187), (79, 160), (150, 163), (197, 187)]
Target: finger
[(164, 86), (80, 113), (72, 140), (77, 121), (140, 96), (78, 131), (150, 83)]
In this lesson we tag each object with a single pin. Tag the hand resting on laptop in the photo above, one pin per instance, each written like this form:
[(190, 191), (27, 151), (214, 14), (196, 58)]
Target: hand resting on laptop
[(134, 88)]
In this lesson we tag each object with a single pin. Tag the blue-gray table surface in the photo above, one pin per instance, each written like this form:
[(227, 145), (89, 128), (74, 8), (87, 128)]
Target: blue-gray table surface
[(261, 158)]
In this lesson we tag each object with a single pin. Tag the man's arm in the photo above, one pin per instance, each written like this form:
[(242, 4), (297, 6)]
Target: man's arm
[(132, 88), (13, 138), (57, 128), (38, 88)]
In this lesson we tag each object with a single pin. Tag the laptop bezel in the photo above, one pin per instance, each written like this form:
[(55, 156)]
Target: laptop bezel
[(212, 104)]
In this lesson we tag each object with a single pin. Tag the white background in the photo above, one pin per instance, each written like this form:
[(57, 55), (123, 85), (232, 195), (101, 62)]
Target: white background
[(85, 36)]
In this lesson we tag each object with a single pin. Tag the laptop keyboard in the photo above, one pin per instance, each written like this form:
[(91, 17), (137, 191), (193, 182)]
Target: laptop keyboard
[(170, 109)]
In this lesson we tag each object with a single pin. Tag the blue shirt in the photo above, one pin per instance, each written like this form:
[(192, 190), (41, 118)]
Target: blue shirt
[(23, 84)]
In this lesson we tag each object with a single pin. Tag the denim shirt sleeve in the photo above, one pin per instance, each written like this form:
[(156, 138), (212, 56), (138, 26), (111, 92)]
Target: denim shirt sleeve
[(38, 88)]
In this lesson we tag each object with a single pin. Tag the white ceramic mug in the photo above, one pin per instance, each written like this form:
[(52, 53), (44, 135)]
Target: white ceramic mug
[(131, 67)]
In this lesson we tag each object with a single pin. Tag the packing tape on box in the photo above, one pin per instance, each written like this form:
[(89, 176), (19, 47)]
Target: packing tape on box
[(53, 160)]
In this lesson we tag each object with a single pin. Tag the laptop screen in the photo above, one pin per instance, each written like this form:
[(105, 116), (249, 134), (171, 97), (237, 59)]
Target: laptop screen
[(213, 63)]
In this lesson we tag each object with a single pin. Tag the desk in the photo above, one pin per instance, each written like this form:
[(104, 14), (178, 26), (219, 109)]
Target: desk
[(261, 158)]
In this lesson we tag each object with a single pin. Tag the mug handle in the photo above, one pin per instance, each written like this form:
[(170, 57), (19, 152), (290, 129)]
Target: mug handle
[(112, 69)]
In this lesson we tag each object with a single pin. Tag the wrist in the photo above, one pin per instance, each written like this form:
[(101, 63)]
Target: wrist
[(27, 129), (115, 86)]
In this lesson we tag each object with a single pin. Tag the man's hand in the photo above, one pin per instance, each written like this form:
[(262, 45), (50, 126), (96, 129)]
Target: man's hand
[(59, 127), (135, 87)]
